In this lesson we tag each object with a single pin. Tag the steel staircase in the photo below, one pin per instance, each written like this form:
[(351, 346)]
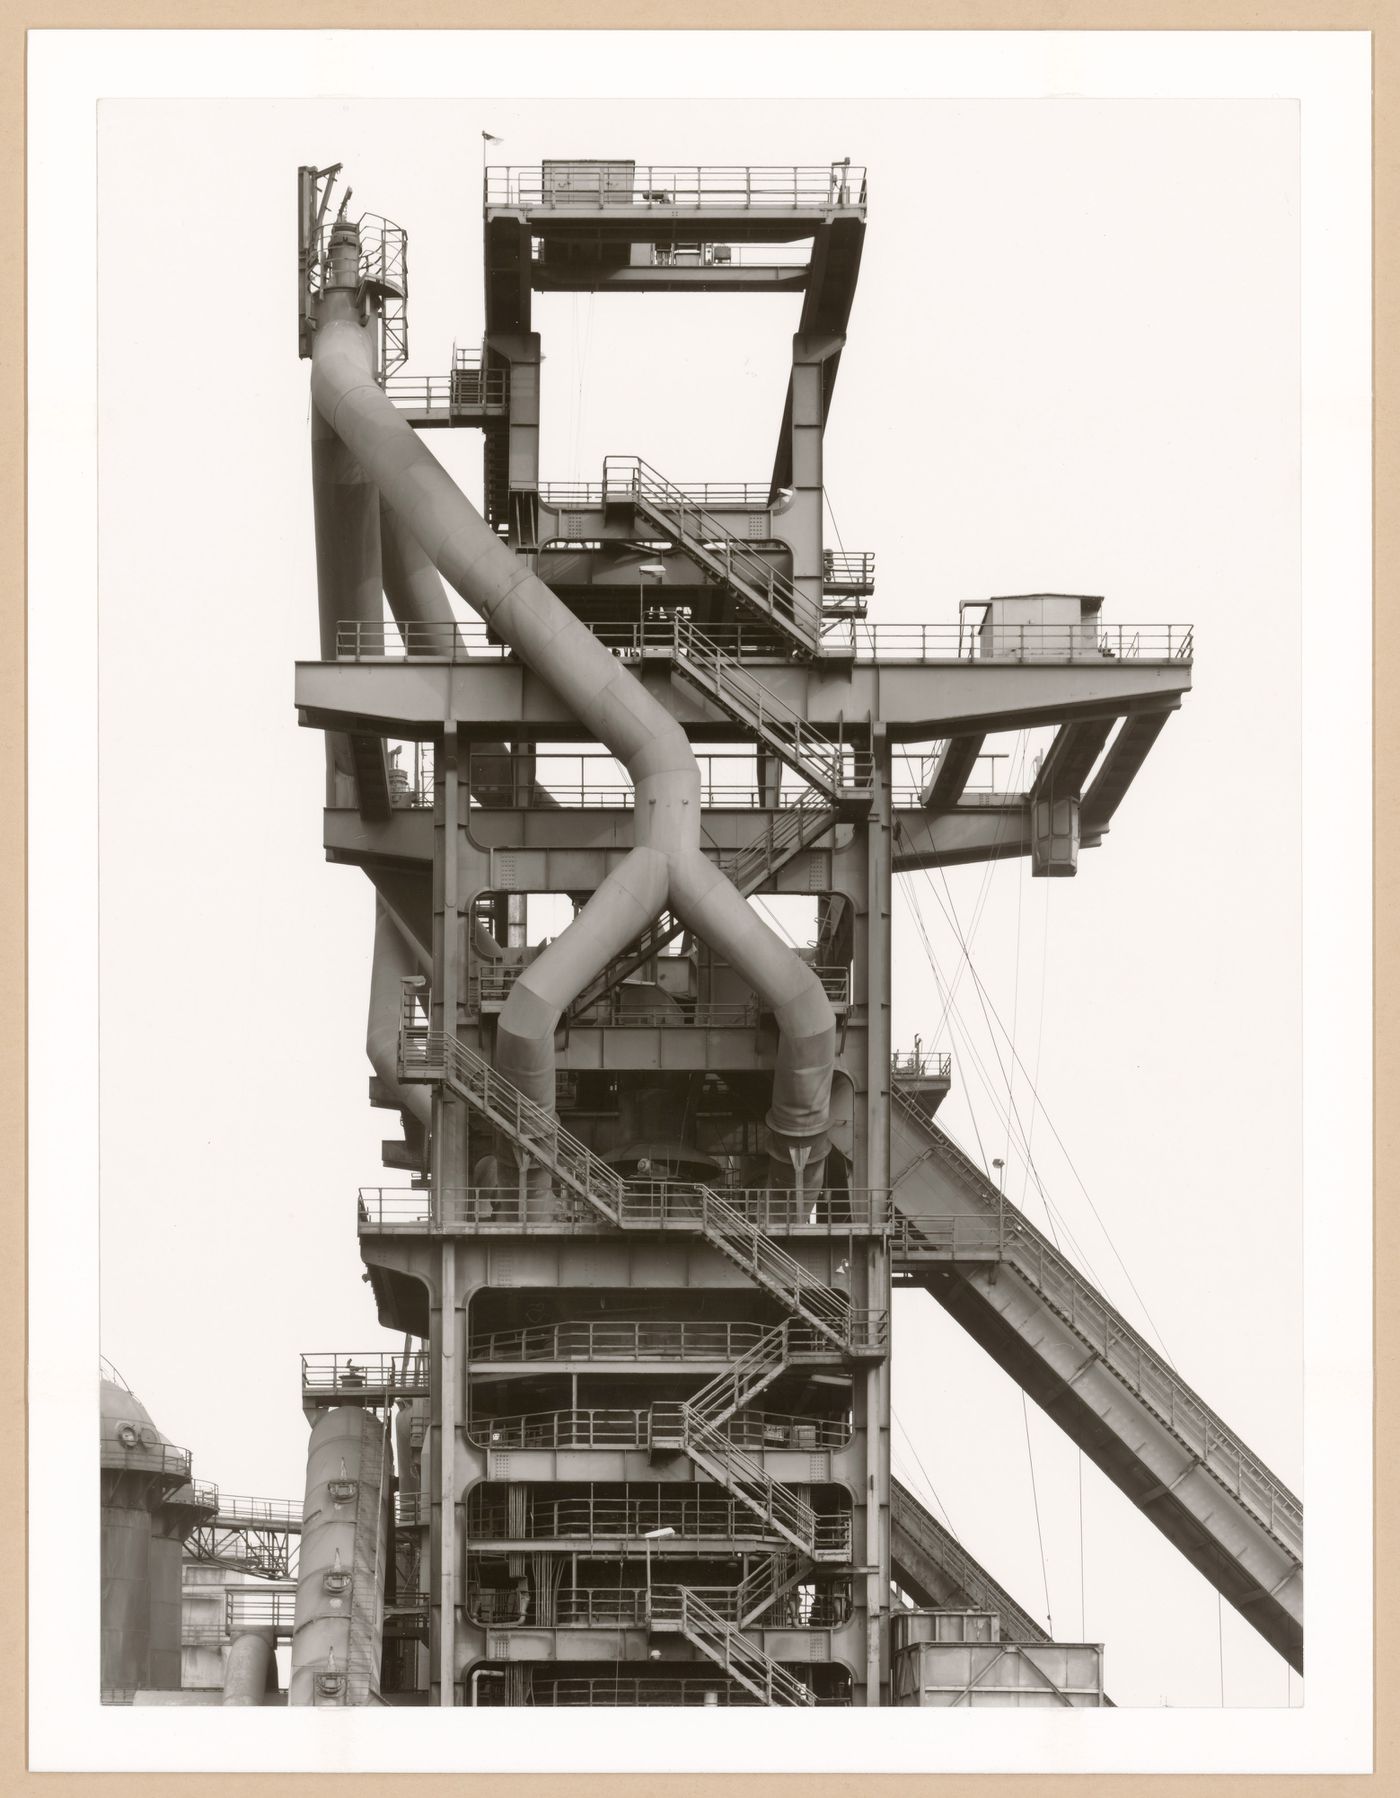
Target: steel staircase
[(722, 558), (787, 834), (695, 1426), (823, 1319), (842, 775), (433, 1055), (775, 1575), (679, 1609), (819, 1539)]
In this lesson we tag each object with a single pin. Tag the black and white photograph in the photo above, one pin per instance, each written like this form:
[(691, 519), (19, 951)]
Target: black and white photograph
[(707, 1040)]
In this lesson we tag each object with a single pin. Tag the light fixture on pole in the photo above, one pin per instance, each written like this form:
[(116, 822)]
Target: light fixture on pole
[(1000, 1166), (488, 137), (650, 1536), (647, 571)]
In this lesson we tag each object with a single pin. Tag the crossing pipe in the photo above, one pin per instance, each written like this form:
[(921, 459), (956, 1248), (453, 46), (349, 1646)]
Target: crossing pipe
[(666, 865)]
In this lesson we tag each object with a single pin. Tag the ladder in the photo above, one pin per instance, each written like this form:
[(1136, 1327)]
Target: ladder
[(426, 1056)]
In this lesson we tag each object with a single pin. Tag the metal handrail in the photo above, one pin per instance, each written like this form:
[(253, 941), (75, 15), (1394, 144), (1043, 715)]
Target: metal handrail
[(831, 767), (921, 1064), (661, 1204), (383, 252), (845, 640), (203, 1495), (617, 1519), (399, 1374), (427, 1055), (276, 1513), (622, 1426), (598, 1691), (739, 1383), (793, 828), (592, 1426), (849, 568), (130, 1446), (481, 390), (667, 187), (760, 1587), (660, 1339), (747, 496), (259, 1607), (1137, 1364), (733, 1466), (584, 778), (717, 1636), (708, 537)]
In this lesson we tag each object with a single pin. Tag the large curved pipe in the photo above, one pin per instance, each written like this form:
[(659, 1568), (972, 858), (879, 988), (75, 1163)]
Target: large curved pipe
[(395, 959), (250, 1673), (602, 693), (414, 590)]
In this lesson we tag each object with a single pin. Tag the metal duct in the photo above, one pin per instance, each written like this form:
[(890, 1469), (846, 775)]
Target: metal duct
[(338, 1629), (395, 959), (250, 1673), (414, 590), (666, 861)]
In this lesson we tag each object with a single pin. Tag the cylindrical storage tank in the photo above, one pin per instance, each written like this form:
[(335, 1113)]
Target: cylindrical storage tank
[(337, 1634), (140, 1551), (167, 1600), (126, 1607)]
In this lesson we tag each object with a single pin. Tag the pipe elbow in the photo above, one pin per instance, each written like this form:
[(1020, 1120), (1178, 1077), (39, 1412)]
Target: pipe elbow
[(801, 1107)]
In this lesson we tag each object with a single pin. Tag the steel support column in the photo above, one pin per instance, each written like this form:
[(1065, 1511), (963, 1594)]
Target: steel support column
[(877, 1139)]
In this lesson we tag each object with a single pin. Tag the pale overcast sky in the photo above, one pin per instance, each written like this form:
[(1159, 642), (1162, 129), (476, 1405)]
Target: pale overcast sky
[(1072, 366)]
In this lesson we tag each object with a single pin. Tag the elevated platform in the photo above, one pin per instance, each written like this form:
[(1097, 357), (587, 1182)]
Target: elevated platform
[(620, 226)]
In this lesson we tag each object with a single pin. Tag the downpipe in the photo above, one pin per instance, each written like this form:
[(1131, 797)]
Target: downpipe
[(666, 863), (250, 1673), (395, 960)]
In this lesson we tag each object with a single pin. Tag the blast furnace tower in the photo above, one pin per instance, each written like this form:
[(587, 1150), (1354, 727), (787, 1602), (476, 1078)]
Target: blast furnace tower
[(660, 1168)]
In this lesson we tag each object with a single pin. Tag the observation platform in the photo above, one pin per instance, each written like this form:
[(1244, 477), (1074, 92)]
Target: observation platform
[(370, 1379), (923, 1075), (922, 681), (620, 226)]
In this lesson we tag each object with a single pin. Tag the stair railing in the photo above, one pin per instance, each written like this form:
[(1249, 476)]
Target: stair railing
[(629, 477), (735, 689), (1137, 1364)]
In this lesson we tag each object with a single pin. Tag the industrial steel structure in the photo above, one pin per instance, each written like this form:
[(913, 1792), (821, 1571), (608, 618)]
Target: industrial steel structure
[(662, 1172)]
